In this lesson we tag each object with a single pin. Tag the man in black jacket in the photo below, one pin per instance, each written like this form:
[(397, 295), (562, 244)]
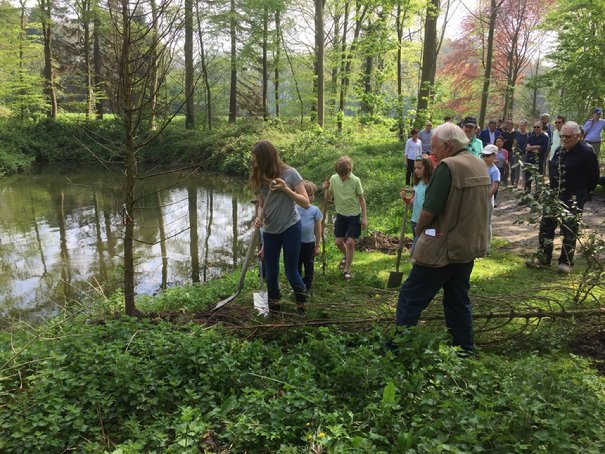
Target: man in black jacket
[(574, 172)]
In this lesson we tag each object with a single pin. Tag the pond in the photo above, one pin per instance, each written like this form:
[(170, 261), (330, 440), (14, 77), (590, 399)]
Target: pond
[(61, 233)]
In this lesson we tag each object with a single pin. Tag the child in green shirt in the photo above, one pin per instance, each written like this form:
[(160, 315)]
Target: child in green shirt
[(350, 205)]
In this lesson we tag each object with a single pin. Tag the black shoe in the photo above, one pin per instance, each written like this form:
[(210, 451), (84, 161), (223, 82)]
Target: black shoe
[(300, 310), (301, 297), (274, 306)]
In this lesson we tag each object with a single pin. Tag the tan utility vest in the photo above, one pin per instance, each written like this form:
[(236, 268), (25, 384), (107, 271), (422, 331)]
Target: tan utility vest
[(461, 230)]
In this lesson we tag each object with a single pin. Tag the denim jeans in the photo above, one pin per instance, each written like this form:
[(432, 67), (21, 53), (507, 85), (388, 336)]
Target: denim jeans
[(420, 288), (307, 260), (273, 243)]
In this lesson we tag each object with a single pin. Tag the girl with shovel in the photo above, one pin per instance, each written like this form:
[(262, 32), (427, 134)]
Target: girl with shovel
[(281, 221), (423, 169)]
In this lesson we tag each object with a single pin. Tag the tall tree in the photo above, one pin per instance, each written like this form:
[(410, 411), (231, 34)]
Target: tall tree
[(319, 58), (189, 76), (489, 54), (45, 11), (132, 44), (515, 40), (233, 61), (429, 59)]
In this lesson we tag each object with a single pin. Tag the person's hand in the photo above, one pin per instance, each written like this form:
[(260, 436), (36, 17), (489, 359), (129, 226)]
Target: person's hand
[(277, 185), (261, 253), (316, 251), (326, 184), (364, 223), (258, 223)]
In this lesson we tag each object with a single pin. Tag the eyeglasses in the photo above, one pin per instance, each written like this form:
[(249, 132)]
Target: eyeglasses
[(537, 127), (566, 136), (558, 122)]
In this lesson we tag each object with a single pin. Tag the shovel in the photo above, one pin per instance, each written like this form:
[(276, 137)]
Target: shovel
[(395, 277), (242, 276), (261, 299)]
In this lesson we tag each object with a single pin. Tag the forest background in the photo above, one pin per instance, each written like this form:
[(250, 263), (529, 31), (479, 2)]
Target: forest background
[(195, 84)]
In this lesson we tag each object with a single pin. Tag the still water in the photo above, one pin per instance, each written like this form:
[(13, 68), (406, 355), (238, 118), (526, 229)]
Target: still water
[(61, 234)]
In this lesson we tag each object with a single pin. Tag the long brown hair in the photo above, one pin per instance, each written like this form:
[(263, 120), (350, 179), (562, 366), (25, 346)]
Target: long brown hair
[(268, 164), (428, 170)]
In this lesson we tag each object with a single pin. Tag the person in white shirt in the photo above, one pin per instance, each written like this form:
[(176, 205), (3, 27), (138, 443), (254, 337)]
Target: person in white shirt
[(413, 149)]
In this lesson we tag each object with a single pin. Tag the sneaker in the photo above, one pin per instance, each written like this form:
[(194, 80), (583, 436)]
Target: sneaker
[(537, 262), (564, 268)]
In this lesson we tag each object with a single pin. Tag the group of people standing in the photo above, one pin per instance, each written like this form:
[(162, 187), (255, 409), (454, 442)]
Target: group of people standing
[(452, 198)]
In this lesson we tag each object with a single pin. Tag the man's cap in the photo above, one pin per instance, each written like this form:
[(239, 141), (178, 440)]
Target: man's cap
[(598, 110), (489, 150), (469, 120)]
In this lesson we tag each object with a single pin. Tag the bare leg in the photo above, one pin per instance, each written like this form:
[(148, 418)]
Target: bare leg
[(350, 250)]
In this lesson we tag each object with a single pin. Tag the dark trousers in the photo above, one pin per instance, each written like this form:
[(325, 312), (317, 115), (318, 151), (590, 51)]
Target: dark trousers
[(306, 260), (515, 170), (420, 288), (409, 170), (569, 230), (530, 158), (273, 243)]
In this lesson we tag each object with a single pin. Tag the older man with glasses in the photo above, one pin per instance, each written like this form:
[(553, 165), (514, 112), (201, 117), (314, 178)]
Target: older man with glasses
[(536, 148), (574, 172)]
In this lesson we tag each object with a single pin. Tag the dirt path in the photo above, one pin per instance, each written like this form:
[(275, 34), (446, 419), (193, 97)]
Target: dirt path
[(523, 238)]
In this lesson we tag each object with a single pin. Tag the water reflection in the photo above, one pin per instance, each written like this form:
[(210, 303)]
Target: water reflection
[(61, 235)]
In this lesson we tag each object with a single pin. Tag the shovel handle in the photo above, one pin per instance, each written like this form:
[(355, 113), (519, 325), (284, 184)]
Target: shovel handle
[(402, 236)]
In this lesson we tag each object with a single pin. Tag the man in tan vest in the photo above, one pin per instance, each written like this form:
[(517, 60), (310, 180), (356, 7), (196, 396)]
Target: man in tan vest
[(452, 232)]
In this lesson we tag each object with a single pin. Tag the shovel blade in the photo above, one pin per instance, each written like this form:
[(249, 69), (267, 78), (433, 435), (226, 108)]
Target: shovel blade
[(225, 301), (395, 279), (261, 303)]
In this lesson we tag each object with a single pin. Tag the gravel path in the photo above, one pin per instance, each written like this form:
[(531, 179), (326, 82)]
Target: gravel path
[(523, 238)]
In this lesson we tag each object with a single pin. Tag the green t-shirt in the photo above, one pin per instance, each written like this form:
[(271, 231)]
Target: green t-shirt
[(346, 194), (475, 146), (438, 190)]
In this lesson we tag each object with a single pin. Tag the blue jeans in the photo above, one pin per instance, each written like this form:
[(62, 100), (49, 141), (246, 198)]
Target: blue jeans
[(414, 236), (420, 288), (273, 243)]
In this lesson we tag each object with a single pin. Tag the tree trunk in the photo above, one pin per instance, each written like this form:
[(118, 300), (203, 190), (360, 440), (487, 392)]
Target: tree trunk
[(276, 59), (343, 53), (49, 73), (204, 64), (233, 85), (125, 99), (22, 91), (189, 85), (96, 56), (90, 94), (265, 75), (193, 234), (429, 62), (335, 49), (319, 59), (154, 82), (487, 74)]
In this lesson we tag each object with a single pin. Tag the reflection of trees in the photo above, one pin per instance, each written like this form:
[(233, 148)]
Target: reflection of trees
[(163, 251), (83, 210), (99, 243), (193, 235), (235, 236), (209, 216), (59, 199), (39, 241)]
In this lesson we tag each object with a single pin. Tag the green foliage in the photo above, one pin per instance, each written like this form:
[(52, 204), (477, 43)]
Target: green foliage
[(132, 386), (577, 79)]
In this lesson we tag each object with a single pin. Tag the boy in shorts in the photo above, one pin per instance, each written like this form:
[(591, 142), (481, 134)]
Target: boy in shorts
[(350, 205)]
